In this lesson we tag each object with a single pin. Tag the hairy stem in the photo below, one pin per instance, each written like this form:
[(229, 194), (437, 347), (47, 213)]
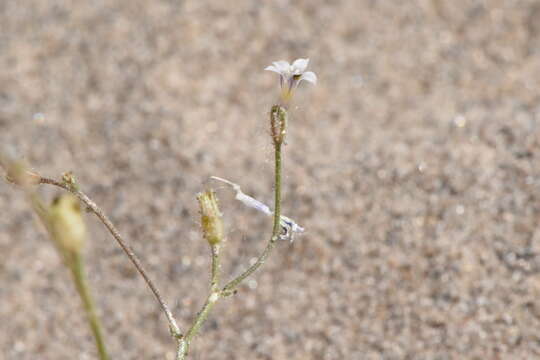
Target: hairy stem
[(127, 249), (214, 282), (183, 347), (231, 286), (202, 315)]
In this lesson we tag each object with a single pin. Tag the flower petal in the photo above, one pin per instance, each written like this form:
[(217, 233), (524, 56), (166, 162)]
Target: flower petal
[(272, 68), (300, 65), (283, 66), (309, 76)]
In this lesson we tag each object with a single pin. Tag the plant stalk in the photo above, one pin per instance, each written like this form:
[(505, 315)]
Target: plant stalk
[(175, 331), (77, 270), (231, 286)]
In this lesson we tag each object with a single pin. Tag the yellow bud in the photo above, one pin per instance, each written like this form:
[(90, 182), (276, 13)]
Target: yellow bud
[(211, 223), (66, 223)]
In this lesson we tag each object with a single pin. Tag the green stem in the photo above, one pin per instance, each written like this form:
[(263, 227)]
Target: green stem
[(215, 294), (183, 345), (77, 270), (214, 283), (229, 288)]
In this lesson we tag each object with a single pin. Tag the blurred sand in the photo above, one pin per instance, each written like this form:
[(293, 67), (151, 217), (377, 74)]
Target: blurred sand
[(413, 165)]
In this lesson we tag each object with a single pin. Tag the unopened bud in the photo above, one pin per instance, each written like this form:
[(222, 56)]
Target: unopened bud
[(69, 179), (66, 223), (18, 173), (211, 223), (278, 124)]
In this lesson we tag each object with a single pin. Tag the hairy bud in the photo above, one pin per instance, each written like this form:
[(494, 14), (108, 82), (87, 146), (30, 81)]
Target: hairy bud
[(211, 223), (66, 224), (278, 124)]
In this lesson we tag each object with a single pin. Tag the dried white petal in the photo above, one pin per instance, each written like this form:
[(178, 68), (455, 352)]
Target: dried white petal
[(288, 224), (253, 203)]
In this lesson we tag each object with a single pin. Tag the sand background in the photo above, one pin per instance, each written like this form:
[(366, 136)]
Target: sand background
[(413, 166)]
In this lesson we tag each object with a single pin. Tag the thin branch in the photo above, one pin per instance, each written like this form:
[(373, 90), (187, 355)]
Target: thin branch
[(231, 286), (127, 249), (202, 316), (214, 282), (77, 271)]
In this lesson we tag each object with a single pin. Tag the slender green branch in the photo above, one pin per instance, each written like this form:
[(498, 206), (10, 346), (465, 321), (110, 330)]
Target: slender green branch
[(127, 249), (202, 316), (183, 347), (181, 350), (214, 282), (277, 196), (77, 270), (184, 343), (231, 286)]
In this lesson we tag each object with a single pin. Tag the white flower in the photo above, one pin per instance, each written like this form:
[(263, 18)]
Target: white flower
[(290, 75)]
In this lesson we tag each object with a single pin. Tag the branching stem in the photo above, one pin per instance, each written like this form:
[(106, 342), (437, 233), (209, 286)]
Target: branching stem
[(231, 286), (175, 331), (184, 342)]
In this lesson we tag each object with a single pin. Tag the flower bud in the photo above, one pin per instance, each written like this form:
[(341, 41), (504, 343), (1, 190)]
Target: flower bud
[(66, 224), (69, 179), (211, 223), (278, 124), (18, 173)]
